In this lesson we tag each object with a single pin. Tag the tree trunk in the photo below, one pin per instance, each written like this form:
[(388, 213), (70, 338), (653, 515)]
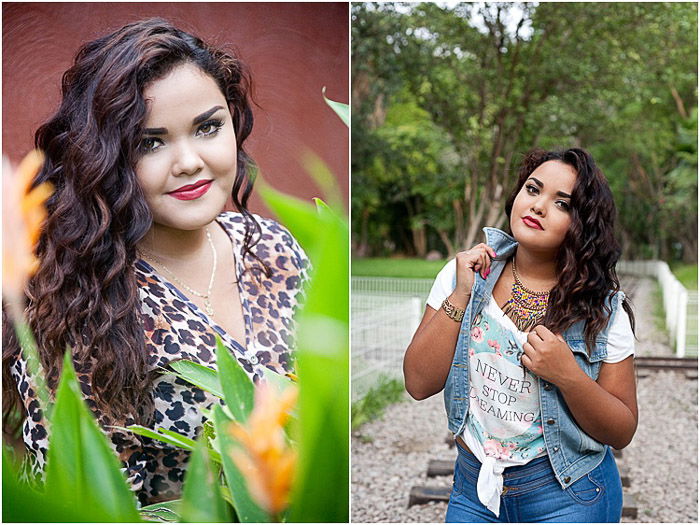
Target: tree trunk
[(448, 243), (420, 241)]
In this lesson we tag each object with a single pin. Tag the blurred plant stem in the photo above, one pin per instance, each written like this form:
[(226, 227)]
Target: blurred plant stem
[(23, 214)]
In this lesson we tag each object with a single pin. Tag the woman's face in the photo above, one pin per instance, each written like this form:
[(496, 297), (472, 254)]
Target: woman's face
[(540, 216), (187, 161)]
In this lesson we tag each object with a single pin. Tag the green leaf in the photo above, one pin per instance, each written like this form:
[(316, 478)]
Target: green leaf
[(167, 511), (171, 438), (247, 510), (342, 110), (278, 381), (34, 366), (299, 217), (202, 501), (320, 488), (199, 375), (82, 471), (237, 386)]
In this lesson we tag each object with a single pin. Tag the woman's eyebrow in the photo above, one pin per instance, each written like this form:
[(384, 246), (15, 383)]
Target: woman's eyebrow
[(196, 120), (204, 116), (539, 183)]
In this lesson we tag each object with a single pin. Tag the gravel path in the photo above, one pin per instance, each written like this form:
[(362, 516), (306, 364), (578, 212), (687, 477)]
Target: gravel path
[(391, 454)]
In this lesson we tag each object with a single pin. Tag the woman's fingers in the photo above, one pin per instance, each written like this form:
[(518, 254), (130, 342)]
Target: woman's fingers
[(478, 259)]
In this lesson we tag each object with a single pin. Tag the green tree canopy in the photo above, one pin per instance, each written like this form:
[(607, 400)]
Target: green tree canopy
[(475, 86)]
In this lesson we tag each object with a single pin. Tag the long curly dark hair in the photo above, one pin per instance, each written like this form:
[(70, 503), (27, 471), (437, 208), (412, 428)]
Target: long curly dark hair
[(587, 257), (84, 294)]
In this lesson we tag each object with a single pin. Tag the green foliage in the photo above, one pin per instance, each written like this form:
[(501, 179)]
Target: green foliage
[(237, 386), (199, 375), (601, 76), (201, 496), (83, 477), (387, 392), (247, 510), (320, 489), (81, 469), (409, 268)]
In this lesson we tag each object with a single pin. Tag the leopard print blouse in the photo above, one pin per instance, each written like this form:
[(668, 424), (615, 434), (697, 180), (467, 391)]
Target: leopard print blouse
[(175, 328)]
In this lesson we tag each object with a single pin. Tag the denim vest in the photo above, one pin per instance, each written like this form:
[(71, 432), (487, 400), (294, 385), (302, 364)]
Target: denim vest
[(572, 452)]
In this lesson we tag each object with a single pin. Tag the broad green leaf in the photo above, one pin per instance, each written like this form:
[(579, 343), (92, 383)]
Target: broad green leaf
[(235, 383), (324, 178), (168, 436), (177, 436), (321, 483), (278, 381), (199, 375), (299, 217), (247, 510), (166, 511), (342, 110), (82, 471), (171, 438), (201, 498)]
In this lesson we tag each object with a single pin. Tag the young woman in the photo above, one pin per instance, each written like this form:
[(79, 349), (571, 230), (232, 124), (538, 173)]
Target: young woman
[(139, 265), (532, 341)]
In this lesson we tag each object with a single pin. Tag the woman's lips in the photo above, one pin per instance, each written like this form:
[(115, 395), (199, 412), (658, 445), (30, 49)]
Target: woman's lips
[(191, 192), (532, 223)]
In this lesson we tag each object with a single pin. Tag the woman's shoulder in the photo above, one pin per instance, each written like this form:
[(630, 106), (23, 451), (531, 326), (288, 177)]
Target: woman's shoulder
[(275, 239), (270, 228)]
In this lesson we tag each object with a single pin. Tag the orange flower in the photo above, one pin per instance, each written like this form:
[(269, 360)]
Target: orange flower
[(22, 218), (265, 458)]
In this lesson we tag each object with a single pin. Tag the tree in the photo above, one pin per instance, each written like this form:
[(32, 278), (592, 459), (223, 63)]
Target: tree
[(498, 79)]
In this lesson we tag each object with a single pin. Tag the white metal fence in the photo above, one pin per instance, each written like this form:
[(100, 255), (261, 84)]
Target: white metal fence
[(680, 304), (385, 313)]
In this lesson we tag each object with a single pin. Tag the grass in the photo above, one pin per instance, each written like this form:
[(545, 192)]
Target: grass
[(387, 392), (687, 274), (394, 267)]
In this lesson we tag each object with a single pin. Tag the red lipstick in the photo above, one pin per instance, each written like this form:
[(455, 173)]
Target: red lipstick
[(531, 222), (191, 191)]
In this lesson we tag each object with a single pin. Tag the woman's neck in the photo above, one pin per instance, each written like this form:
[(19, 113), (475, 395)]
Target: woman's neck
[(538, 269), (173, 244)]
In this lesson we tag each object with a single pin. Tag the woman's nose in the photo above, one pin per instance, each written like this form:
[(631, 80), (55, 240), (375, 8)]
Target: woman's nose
[(538, 207), (187, 160)]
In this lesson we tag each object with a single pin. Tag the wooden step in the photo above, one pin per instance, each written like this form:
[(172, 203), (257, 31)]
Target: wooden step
[(420, 495), (629, 506), (440, 467), (624, 475)]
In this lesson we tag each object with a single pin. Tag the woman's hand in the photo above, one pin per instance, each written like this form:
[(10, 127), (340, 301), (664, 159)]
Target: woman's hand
[(478, 259), (548, 356)]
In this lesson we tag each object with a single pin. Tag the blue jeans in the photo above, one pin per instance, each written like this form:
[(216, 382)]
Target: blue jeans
[(534, 495)]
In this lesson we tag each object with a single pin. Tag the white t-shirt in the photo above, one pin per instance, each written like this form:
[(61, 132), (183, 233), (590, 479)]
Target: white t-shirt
[(620, 336), (504, 424)]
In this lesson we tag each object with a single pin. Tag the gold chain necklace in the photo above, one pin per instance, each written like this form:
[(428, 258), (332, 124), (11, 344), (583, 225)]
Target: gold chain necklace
[(207, 300), (526, 308)]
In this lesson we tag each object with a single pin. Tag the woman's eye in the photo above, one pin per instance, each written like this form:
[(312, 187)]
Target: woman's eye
[(210, 127), (563, 205), (532, 190), (149, 144)]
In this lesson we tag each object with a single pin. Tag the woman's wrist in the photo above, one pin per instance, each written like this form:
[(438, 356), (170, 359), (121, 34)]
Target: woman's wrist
[(459, 299)]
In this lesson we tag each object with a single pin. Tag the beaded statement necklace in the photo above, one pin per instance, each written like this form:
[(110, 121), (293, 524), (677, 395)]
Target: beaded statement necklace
[(526, 308)]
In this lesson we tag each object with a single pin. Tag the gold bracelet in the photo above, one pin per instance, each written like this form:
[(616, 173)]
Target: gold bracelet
[(457, 314)]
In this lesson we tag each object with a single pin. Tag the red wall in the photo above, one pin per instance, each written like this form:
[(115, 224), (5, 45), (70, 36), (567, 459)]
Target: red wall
[(293, 50)]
